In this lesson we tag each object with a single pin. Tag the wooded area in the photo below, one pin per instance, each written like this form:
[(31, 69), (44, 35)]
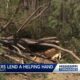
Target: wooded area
[(39, 31)]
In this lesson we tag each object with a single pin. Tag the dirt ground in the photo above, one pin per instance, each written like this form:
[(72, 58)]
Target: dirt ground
[(39, 76)]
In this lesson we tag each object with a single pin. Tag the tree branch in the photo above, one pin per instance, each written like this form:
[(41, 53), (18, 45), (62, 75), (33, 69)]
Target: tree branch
[(29, 18), (58, 47)]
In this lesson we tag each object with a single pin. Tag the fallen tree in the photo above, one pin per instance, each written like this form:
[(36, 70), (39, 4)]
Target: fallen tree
[(44, 50), (40, 51)]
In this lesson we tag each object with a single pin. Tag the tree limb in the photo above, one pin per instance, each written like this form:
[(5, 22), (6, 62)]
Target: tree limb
[(19, 51), (58, 47), (13, 15), (29, 18)]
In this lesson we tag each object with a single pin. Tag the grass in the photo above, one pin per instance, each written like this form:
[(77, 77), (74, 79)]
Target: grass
[(2, 77)]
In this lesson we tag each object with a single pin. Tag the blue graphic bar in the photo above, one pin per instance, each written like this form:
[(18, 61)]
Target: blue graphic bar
[(27, 67)]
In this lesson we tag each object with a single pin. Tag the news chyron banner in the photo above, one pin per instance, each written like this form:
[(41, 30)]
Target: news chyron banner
[(55, 68)]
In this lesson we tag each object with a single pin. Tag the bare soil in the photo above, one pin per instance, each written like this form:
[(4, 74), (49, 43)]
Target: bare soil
[(41, 76)]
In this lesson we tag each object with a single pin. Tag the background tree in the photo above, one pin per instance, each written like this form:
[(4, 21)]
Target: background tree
[(60, 19)]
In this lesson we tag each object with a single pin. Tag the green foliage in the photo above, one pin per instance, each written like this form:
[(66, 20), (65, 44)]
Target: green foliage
[(65, 21), (62, 19), (65, 18), (2, 77)]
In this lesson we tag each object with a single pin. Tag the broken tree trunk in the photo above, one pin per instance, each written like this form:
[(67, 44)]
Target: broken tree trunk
[(36, 50)]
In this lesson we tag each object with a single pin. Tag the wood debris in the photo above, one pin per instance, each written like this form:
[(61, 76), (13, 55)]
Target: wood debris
[(38, 51)]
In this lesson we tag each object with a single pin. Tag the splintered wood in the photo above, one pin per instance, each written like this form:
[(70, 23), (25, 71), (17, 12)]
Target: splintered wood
[(23, 50)]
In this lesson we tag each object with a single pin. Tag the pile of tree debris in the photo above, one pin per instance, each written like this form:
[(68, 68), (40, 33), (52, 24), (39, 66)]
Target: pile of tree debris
[(21, 50), (44, 50)]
